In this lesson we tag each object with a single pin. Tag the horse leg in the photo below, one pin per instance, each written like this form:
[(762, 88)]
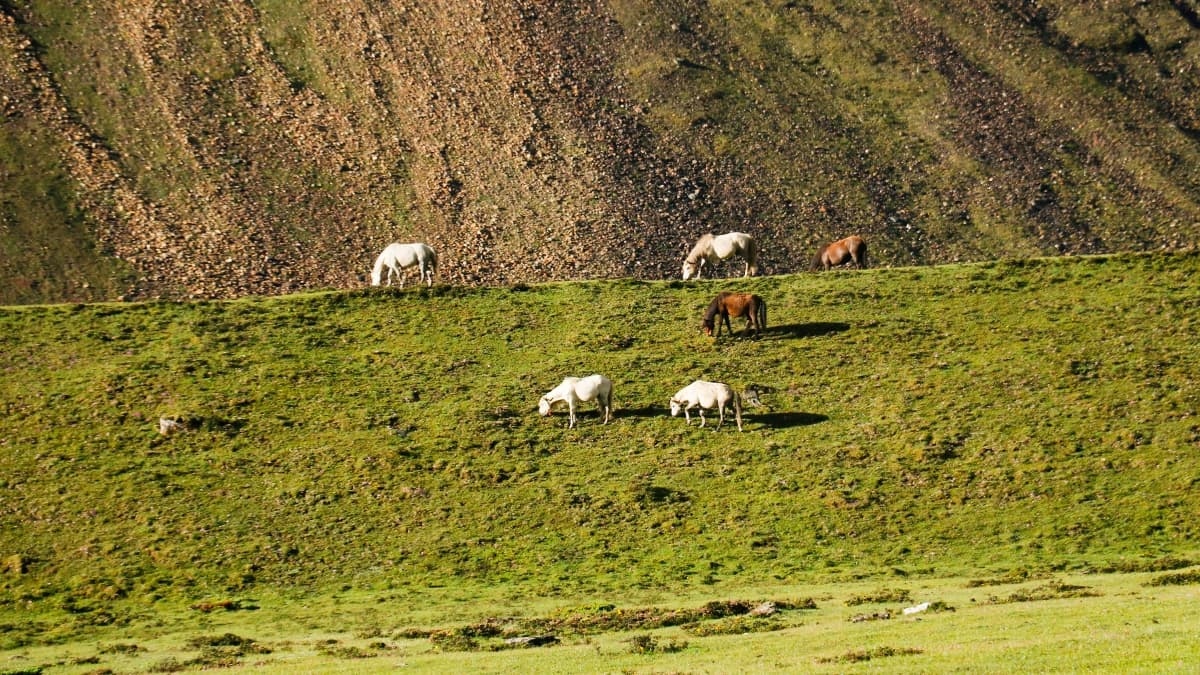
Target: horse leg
[(701, 409), (571, 413), (720, 415)]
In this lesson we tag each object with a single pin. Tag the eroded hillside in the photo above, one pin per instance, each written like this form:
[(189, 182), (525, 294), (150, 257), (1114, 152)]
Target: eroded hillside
[(211, 149)]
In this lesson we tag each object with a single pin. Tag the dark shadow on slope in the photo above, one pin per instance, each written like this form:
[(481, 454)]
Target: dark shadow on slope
[(803, 330), (783, 420), (642, 411)]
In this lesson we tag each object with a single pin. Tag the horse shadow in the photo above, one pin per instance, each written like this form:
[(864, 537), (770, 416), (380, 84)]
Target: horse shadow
[(804, 330), (774, 420), (645, 411), (783, 420)]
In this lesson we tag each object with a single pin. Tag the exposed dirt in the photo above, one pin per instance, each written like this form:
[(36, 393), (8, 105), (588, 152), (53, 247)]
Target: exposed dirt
[(227, 149)]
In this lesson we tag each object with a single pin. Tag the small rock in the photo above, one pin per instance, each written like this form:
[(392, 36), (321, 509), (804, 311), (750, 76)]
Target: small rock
[(765, 609), (881, 615), (533, 640)]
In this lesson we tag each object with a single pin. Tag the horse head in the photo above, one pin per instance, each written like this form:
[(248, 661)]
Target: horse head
[(544, 406), (691, 269), (818, 260), (707, 327), (676, 406)]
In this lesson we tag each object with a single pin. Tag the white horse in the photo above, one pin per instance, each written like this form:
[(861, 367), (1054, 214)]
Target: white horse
[(706, 395), (399, 257), (574, 390), (710, 250)]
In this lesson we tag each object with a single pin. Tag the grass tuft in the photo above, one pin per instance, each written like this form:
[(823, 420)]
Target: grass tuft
[(648, 644), (1176, 579), (861, 655), (736, 625), (1053, 590), (880, 596)]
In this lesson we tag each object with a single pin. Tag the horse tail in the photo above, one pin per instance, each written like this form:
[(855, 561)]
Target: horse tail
[(737, 408), (433, 263), (751, 257), (762, 315), (863, 260)]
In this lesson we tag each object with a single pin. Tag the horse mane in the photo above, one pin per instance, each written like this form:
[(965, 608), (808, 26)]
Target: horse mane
[(702, 244), (816, 262), (713, 308), (377, 271)]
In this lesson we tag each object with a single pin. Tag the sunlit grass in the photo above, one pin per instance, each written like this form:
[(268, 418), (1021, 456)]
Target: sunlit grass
[(373, 460)]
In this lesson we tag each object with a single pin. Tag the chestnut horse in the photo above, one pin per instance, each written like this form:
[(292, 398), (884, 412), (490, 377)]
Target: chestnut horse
[(728, 304), (842, 251)]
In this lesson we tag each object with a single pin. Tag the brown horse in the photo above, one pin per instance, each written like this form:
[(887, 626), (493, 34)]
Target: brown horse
[(841, 251), (728, 304)]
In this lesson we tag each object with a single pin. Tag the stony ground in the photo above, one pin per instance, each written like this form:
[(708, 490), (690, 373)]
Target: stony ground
[(225, 149)]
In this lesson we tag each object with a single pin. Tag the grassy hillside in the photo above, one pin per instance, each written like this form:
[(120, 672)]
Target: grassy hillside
[(1021, 414), (215, 149)]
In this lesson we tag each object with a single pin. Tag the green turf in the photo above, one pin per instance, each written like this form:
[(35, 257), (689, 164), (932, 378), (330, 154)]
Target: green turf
[(920, 423)]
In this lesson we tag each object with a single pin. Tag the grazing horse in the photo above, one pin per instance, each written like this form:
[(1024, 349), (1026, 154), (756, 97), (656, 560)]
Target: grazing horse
[(707, 395), (727, 304), (574, 390), (399, 257), (841, 251), (710, 250)]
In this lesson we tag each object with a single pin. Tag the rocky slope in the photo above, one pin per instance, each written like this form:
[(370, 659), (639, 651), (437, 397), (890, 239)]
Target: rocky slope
[(205, 149)]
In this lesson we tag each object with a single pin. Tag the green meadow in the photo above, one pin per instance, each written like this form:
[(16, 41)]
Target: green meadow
[(363, 481)]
